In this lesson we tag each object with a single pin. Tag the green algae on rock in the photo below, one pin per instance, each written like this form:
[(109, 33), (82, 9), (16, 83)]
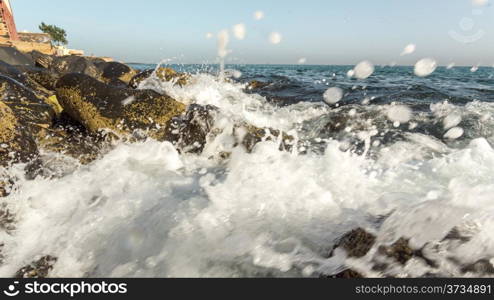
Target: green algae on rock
[(163, 74)]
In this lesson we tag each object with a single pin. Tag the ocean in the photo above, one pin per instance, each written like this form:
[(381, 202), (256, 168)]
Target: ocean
[(400, 156)]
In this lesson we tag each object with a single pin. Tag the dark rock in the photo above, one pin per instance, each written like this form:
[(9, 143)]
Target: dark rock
[(482, 267), (75, 64), (357, 243), (32, 113), (400, 251), (7, 219), (347, 274), (255, 135), (99, 106), (16, 145), (46, 78), (163, 74), (189, 132), (17, 74), (42, 60), (113, 71), (12, 56), (256, 85), (37, 269)]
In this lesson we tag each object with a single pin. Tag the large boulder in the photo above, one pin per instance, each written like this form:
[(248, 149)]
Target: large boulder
[(162, 74), (75, 64), (114, 72), (99, 106), (33, 113), (14, 57), (16, 145)]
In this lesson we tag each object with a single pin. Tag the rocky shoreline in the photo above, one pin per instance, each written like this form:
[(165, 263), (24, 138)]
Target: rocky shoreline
[(80, 107)]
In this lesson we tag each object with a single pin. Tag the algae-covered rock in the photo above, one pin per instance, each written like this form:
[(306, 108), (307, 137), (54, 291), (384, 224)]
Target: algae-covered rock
[(32, 112), (16, 145), (189, 132), (162, 74), (99, 106), (114, 72)]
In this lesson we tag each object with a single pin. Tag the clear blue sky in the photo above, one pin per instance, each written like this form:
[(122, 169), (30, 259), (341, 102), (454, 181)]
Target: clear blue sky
[(323, 31)]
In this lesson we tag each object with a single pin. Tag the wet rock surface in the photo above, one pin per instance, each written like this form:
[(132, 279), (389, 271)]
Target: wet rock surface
[(99, 106), (161, 74), (37, 269)]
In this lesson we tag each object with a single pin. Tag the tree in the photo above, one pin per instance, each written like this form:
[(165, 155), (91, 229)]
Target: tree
[(57, 34)]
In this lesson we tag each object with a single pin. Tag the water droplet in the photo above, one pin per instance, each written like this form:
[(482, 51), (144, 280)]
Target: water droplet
[(364, 69), (275, 38), (239, 31), (333, 95), (425, 67), (399, 113), (409, 49)]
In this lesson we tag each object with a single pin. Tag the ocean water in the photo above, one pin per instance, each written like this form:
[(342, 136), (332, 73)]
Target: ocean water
[(400, 156)]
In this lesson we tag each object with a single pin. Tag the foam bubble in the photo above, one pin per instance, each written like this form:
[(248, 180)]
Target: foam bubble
[(409, 49), (454, 133), (275, 38), (302, 61), (399, 114), (364, 69), (452, 120), (333, 95), (258, 15), (239, 31), (425, 67)]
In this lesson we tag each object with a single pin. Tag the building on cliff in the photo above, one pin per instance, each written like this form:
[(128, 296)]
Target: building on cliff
[(27, 41)]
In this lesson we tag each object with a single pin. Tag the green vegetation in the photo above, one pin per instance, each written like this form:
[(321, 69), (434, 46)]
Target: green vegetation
[(58, 35)]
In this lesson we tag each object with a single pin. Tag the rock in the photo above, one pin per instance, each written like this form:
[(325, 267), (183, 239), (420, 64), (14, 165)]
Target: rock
[(16, 145), (98, 106), (357, 243), (7, 219), (72, 139), (254, 135), (256, 85), (46, 78), (113, 71), (31, 111), (37, 269), (17, 74), (400, 251), (347, 274), (163, 74), (75, 64), (42, 60), (12, 56), (189, 132)]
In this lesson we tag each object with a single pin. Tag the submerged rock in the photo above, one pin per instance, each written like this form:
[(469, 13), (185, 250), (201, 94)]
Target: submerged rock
[(253, 135), (99, 106), (357, 243), (163, 74), (37, 269), (189, 132)]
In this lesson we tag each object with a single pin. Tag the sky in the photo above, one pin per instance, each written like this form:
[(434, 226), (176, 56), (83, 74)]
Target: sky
[(321, 31)]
